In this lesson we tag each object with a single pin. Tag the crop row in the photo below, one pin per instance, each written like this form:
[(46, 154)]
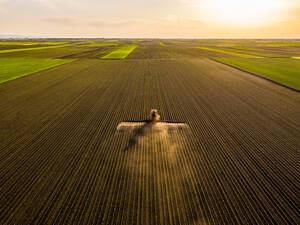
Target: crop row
[(65, 163)]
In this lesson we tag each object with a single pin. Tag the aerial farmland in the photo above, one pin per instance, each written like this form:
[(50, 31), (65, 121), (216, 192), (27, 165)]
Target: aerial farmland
[(226, 152)]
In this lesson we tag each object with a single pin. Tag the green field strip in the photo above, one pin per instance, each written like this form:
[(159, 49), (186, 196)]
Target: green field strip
[(100, 44), (48, 53), (10, 47), (120, 53), (13, 68), (285, 71), (30, 43), (112, 40), (228, 52), (263, 50), (31, 49), (162, 44), (256, 53), (136, 41), (278, 44)]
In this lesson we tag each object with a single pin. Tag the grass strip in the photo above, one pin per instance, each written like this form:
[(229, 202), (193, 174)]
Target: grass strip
[(31, 49), (120, 53), (229, 52), (25, 43), (100, 44), (13, 68), (262, 50), (280, 44), (285, 71), (259, 54)]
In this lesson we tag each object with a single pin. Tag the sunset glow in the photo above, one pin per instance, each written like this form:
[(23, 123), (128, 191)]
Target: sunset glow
[(152, 18), (247, 12)]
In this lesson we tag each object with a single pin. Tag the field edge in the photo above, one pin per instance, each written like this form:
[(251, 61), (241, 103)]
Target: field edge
[(257, 75)]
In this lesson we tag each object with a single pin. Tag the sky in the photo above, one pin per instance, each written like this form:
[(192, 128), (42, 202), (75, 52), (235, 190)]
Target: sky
[(151, 18)]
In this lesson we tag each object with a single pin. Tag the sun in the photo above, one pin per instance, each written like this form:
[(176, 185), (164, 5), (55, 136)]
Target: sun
[(242, 12)]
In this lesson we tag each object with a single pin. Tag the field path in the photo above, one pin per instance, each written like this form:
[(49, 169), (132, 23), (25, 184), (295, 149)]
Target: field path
[(62, 161)]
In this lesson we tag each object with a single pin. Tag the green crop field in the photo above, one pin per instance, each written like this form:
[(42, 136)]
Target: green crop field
[(280, 44), (135, 41), (120, 53), (48, 52), (258, 53), (25, 43), (229, 52), (13, 68), (225, 150), (21, 47), (285, 71), (31, 49), (261, 50), (101, 44)]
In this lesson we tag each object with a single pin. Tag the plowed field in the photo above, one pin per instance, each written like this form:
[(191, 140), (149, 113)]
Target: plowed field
[(63, 162)]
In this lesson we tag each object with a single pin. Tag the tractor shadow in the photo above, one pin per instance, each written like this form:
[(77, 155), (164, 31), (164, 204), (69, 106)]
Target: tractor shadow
[(137, 133)]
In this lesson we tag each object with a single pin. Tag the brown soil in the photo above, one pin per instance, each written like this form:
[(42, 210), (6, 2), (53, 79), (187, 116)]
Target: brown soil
[(62, 161)]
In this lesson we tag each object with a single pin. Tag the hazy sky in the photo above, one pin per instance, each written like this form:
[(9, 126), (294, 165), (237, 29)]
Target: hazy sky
[(151, 18)]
